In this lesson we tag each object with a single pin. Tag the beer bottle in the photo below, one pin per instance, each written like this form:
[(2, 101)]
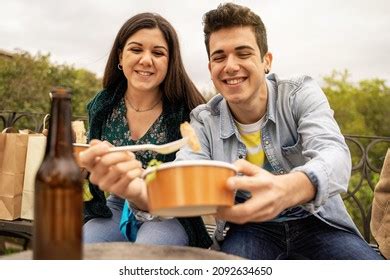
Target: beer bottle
[(58, 189)]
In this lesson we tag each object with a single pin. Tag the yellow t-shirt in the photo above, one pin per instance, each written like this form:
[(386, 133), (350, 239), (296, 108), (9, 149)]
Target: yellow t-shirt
[(251, 137)]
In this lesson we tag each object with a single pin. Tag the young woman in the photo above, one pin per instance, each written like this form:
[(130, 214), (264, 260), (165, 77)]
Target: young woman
[(146, 95)]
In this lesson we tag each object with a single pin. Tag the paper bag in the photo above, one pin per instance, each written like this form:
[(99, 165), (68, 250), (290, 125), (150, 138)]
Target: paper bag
[(380, 215), (35, 152), (13, 148)]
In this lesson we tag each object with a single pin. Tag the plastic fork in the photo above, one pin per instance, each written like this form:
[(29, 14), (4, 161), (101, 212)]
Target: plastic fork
[(161, 149)]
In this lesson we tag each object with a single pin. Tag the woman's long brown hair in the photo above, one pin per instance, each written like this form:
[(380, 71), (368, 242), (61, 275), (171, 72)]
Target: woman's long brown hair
[(177, 87)]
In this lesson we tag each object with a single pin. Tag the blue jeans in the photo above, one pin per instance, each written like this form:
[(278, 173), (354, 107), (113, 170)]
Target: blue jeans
[(166, 232), (308, 238), (105, 229)]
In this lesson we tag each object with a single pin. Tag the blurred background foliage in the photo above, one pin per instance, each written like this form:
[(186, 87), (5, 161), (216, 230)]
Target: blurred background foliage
[(26, 80), (362, 108)]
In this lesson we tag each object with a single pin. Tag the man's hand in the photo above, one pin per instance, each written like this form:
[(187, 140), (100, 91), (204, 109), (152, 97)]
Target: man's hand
[(117, 172), (271, 194)]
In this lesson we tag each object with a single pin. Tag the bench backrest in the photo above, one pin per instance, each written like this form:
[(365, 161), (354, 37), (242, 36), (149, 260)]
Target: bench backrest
[(368, 154)]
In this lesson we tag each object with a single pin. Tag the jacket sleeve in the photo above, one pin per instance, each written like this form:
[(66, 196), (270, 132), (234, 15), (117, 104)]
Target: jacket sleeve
[(329, 161)]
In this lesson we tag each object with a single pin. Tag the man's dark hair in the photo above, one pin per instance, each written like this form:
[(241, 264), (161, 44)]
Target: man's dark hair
[(233, 15)]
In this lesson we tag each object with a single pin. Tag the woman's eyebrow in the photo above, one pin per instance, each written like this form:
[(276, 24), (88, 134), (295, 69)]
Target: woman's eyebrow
[(161, 47), (133, 42), (140, 44)]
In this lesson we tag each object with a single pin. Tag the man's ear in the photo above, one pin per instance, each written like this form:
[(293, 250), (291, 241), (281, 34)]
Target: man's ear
[(268, 60)]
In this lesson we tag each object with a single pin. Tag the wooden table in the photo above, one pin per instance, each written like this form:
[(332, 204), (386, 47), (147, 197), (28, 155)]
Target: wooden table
[(131, 251)]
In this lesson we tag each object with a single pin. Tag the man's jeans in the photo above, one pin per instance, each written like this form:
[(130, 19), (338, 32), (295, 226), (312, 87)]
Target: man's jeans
[(307, 238)]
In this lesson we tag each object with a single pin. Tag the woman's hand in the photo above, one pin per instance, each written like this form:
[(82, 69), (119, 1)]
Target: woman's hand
[(118, 172)]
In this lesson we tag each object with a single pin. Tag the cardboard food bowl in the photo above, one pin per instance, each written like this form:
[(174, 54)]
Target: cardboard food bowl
[(189, 188)]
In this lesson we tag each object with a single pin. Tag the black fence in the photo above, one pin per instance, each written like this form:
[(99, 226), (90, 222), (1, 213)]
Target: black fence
[(26, 120), (368, 154)]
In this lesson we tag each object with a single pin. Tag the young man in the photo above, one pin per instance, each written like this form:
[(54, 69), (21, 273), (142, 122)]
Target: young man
[(283, 138), (297, 162)]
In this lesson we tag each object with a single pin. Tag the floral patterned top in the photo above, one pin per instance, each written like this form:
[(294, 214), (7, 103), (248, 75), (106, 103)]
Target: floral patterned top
[(107, 120), (117, 132)]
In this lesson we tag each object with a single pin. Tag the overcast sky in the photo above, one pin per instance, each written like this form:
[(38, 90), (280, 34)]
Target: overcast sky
[(305, 36)]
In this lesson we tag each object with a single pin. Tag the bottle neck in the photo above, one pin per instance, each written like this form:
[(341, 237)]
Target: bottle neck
[(60, 128)]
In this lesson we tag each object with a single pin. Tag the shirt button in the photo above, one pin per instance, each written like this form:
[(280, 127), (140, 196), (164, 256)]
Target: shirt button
[(267, 142), (240, 156), (281, 172)]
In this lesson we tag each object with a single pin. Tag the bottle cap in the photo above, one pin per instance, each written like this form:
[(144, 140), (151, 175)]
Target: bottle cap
[(60, 92)]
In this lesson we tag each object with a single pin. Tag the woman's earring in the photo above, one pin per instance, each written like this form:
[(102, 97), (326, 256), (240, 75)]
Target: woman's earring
[(120, 67), (266, 71)]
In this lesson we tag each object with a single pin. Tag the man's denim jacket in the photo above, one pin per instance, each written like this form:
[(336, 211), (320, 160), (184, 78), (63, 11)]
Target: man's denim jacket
[(299, 134)]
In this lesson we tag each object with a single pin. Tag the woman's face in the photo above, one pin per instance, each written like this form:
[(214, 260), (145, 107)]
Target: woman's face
[(144, 59)]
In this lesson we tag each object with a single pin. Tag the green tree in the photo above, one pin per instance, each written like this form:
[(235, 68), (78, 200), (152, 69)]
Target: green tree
[(361, 108), (26, 80)]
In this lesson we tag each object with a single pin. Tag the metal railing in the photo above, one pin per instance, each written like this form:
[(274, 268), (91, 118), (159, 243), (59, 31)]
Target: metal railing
[(32, 121), (368, 154)]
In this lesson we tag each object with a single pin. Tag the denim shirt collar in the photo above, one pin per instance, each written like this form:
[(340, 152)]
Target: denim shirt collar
[(227, 125), (271, 98)]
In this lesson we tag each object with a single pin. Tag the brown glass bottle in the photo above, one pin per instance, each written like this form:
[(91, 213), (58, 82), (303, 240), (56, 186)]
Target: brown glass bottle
[(58, 189)]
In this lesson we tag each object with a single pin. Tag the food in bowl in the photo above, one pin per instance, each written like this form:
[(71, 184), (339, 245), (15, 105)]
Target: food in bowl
[(189, 188), (186, 130)]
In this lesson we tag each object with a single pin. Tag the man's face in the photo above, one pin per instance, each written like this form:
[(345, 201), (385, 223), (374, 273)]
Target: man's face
[(235, 64)]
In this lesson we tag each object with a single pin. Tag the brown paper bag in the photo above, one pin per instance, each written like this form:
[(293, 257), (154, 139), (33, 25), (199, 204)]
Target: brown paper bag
[(13, 147), (380, 215), (34, 156)]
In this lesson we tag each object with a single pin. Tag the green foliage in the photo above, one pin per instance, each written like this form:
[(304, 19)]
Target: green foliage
[(26, 80), (361, 108)]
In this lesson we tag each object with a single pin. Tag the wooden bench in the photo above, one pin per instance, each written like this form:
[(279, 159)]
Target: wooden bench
[(18, 228)]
